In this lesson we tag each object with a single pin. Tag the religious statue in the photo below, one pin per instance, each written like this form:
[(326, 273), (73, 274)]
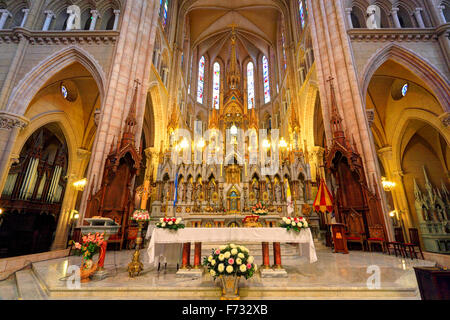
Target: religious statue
[(180, 192), (189, 192), (373, 17), (277, 193), (301, 190), (212, 189), (255, 189), (74, 19), (165, 195), (269, 189)]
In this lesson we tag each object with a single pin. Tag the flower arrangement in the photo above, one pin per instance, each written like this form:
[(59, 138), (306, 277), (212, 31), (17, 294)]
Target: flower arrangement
[(296, 224), (170, 223), (259, 209), (230, 260), (140, 215), (89, 247)]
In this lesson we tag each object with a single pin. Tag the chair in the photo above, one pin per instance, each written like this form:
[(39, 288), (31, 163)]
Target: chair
[(415, 243), (398, 245), (356, 238), (376, 234)]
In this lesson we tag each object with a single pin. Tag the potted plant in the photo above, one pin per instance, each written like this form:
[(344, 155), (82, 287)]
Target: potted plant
[(229, 263), (87, 249)]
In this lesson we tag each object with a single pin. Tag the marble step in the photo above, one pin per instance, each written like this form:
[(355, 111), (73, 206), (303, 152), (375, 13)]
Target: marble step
[(28, 286)]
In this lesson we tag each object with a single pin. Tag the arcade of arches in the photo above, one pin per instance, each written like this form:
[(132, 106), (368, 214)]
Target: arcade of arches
[(108, 93)]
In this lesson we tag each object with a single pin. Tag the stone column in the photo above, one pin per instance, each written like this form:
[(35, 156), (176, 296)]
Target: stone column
[(419, 19), (25, 17), (442, 18), (5, 14), (348, 12), (48, 20), (132, 61), (70, 198), (116, 19), (395, 18), (95, 15), (334, 54), (10, 125)]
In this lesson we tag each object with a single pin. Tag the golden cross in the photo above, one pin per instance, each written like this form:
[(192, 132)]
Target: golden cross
[(233, 26)]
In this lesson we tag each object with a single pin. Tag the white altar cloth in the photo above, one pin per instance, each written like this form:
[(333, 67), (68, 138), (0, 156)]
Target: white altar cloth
[(232, 235)]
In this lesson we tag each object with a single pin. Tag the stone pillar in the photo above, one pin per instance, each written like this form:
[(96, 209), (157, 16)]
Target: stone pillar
[(70, 198), (442, 18), (419, 19), (395, 18), (334, 54), (348, 12), (25, 17), (132, 60), (95, 15), (116, 19), (48, 20), (10, 125), (5, 14)]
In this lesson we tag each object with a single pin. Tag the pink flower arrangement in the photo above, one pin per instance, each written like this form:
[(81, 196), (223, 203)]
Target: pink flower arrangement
[(141, 215), (259, 209), (90, 245), (231, 261)]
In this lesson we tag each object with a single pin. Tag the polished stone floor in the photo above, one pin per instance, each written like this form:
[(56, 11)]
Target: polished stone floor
[(328, 278)]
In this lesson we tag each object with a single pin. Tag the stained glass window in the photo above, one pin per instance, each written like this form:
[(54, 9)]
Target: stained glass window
[(405, 89), (302, 13), (216, 86), (201, 80), (163, 11), (64, 92), (251, 85), (266, 79), (283, 43)]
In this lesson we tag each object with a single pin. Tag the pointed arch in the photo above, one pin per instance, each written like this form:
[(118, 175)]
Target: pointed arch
[(33, 81), (435, 79)]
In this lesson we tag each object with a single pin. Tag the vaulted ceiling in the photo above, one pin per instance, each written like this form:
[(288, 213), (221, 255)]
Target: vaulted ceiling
[(256, 23)]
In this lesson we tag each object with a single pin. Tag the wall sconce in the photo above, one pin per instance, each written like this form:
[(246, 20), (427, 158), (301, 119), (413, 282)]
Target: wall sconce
[(75, 215), (1, 210), (387, 185), (80, 184)]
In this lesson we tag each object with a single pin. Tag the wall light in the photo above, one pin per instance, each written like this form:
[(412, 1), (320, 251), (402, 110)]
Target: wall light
[(387, 185), (80, 184)]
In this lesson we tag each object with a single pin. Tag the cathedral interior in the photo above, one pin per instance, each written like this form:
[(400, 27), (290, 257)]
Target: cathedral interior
[(204, 108)]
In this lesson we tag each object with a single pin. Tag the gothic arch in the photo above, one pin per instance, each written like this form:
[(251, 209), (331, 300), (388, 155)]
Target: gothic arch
[(404, 119), (33, 81), (412, 61)]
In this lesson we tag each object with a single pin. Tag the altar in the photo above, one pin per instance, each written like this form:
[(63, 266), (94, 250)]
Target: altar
[(222, 236)]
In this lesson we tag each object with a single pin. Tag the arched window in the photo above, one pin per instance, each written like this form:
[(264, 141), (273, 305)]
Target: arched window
[(283, 44), (266, 79), (303, 11), (216, 86), (251, 85), (163, 12), (201, 79)]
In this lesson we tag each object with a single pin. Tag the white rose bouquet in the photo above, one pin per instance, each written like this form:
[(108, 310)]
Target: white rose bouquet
[(170, 223), (230, 260), (296, 224)]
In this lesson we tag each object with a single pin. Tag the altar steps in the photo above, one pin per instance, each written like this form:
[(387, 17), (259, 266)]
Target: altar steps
[(28, 286)]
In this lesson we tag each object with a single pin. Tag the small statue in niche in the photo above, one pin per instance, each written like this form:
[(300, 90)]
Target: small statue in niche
[(278, 193), (189, 192), (180, 191)]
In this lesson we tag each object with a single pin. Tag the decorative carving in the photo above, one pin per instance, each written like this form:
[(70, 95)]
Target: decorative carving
[(445, 119), (9, 121)]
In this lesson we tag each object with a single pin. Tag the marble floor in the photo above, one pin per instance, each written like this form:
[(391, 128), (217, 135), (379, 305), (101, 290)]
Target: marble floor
[(333, 276)]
